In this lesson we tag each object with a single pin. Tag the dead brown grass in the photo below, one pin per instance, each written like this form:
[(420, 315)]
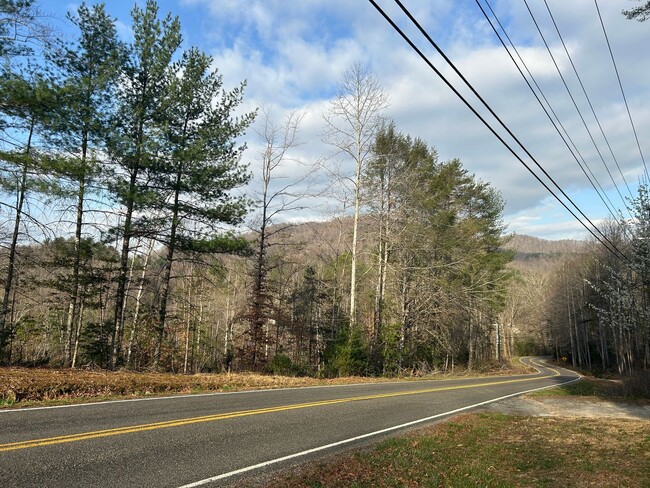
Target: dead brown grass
[(26, 385)]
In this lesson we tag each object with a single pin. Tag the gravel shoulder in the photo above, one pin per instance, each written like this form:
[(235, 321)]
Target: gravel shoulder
[(587, 407)]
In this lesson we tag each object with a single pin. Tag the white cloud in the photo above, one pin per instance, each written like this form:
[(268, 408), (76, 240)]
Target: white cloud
[(293, 53)]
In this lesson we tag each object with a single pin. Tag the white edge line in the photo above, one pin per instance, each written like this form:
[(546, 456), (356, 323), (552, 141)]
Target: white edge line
[(360, 437), (198, 395)]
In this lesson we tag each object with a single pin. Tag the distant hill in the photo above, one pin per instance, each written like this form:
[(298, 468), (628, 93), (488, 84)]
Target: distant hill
[(325, 239), (536, 252), (530, 245)]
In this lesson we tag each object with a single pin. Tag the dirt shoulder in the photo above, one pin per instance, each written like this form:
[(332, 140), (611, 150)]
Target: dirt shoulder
[(571, 406), (580, 435)]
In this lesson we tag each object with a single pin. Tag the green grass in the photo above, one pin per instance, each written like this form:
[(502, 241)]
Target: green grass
[(634, 387), (496, 450), (583, 387)]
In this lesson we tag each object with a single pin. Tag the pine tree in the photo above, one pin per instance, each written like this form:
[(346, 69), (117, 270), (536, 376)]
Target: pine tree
[(134, 144), (28, 100), (89, 69), (200, 166)]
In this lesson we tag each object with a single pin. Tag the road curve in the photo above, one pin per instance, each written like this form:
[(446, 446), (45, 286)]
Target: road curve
[(211, 439)]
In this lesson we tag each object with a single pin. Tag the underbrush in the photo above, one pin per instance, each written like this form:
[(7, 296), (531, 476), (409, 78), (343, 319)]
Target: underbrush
[(27, 386), (634, 386)]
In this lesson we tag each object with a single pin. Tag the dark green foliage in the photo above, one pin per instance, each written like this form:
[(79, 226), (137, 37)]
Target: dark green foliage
[(20, 28), (527, 346), (440, 243), (281, 365), (308, 327), (134, 144), (192, 185), (226, 243), (89, 71), (27, 102), (95, 343), (350, 355)]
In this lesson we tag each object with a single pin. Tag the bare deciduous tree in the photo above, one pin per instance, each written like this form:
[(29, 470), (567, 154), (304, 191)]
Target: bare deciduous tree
[(277, 195), (351, 124)]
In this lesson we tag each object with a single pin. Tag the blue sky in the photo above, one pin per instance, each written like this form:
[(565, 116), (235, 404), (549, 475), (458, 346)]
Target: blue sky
[(292, 54)]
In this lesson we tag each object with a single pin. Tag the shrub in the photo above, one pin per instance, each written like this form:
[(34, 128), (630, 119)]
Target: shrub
[(281, 365)]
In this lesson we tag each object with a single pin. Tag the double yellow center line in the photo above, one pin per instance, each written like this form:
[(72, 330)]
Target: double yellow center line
[(12, 446)]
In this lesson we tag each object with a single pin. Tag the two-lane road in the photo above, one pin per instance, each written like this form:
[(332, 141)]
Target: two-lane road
[(197, 439)]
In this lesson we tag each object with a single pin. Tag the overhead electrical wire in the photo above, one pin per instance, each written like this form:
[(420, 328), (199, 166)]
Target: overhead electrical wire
[(584, 91), (605, 241), (620, 84), (603, 196), (487, 106), (575, 104)]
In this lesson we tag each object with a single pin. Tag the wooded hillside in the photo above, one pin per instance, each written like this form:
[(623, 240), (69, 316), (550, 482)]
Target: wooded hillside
[(124, 244)]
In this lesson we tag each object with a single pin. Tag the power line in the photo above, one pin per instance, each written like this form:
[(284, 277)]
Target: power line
[(613, 249), (566, 86), (603, 196), (593, 111), (620, 84), (487, 106)]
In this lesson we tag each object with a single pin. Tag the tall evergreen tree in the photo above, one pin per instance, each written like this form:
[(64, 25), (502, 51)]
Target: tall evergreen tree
[(199, 167), (28, 100), (307, 302), (89, 68), (134, 145)]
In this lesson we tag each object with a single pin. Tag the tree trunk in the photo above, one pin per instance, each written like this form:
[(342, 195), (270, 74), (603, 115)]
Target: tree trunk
[(22, 190), (171, 247), (188, 327), (120, 296), (470, 360), (75, 299), (138, 301), (355, 233), (77, 334)]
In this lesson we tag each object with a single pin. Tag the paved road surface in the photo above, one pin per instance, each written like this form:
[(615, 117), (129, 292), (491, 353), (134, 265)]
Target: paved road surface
[(211, 439)]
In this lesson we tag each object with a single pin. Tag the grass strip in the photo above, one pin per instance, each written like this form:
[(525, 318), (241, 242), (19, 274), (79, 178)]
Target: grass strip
[(630, 388), (496, 450)]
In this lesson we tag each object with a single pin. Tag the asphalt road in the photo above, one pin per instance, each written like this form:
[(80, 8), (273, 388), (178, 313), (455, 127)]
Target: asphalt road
[(213, 439)]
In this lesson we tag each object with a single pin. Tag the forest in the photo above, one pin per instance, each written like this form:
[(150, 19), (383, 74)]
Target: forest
[(135, 236)]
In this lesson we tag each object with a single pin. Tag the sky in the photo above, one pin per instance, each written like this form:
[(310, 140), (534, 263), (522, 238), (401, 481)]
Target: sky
[(293, 54)]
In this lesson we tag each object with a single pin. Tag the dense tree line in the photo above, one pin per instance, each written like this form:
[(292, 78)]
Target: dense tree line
[(122, 238), (127, 145), (598, 311), (590, 308)]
